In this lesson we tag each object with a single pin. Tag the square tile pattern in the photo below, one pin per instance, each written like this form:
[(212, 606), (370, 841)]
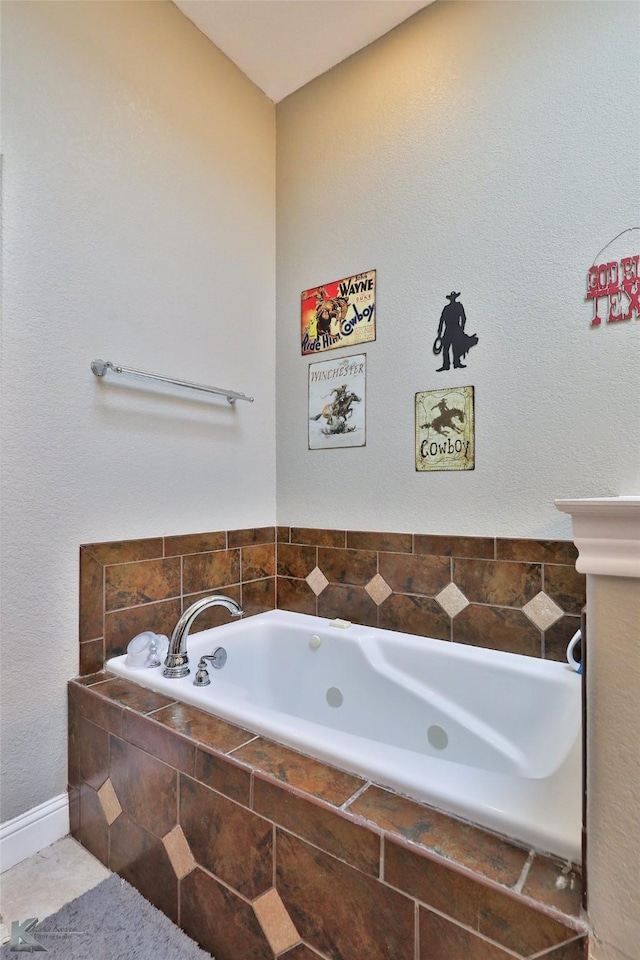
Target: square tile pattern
[(298, 860)]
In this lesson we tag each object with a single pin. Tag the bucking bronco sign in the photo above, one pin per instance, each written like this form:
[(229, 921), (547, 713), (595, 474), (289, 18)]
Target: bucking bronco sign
[(445, 429), (339, 314)]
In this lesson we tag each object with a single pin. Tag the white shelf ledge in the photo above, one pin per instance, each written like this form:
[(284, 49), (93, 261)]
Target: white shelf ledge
[(606, 531)]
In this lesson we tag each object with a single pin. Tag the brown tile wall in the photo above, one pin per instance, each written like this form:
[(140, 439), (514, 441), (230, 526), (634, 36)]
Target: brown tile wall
[(130, 586), (390, 580), (258, 852), (336, 573)]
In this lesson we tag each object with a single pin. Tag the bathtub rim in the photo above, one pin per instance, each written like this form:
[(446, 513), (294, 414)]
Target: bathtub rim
[(565, 842)]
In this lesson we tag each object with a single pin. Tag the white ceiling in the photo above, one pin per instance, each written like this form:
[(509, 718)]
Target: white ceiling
[(283, 44)]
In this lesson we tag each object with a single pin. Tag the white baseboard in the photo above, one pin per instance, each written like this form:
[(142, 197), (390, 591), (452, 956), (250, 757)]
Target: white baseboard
[(34, 830)]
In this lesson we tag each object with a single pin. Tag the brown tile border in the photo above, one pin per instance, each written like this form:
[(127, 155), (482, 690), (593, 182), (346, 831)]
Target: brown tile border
[(318, 537), (210, 571), (446, 837), (204, 728), (537, 551), (390, 542), (443, 546), (195, 543), (353, 567), (91, 596), (420, 616), (134, 585), (126, 551), (312, 776), (251, 535)]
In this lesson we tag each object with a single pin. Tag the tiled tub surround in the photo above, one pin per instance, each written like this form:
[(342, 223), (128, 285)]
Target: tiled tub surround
[(523, 596), (258, 852)]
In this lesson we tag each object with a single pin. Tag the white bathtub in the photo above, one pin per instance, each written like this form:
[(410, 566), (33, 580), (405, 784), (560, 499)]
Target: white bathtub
[(492, 737)]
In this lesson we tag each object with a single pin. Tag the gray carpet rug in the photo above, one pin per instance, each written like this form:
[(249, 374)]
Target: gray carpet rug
[(111, 922)]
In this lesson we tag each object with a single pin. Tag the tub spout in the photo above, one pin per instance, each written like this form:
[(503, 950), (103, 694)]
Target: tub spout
[(177, 661)]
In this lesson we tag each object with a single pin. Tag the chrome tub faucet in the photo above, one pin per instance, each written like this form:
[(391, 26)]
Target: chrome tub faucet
[(176, 663)]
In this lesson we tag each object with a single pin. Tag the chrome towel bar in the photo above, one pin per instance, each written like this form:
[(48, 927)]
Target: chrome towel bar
[(100, 367)]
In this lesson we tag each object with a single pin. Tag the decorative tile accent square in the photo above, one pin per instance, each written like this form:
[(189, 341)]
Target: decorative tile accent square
[(542, 611), (378, 589), (179, 851), (452, 600), (109, 802), (276, 923), (317, 581)]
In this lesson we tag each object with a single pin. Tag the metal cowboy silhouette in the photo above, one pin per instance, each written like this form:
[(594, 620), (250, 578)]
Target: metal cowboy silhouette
[(451, 335)]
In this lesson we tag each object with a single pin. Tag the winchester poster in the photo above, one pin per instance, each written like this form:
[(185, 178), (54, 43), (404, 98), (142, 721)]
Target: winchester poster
[(339, 314), (337, 403), (445, 429)]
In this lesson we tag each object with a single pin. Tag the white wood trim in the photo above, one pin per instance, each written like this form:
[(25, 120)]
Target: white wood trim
[(34, 830), (606, 531)]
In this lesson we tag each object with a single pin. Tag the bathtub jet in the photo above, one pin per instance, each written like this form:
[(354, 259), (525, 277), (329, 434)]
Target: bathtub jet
[(492, 737)]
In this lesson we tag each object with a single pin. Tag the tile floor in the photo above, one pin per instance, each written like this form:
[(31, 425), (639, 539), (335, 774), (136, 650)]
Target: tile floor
[(39, 886)]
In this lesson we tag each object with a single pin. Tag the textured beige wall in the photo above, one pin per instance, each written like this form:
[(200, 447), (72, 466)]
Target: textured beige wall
[(464, 151), (613, 786), (139, 226)]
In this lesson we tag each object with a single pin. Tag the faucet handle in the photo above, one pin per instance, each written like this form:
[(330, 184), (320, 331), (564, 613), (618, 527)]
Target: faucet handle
[(202, 678), (218, 658)]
